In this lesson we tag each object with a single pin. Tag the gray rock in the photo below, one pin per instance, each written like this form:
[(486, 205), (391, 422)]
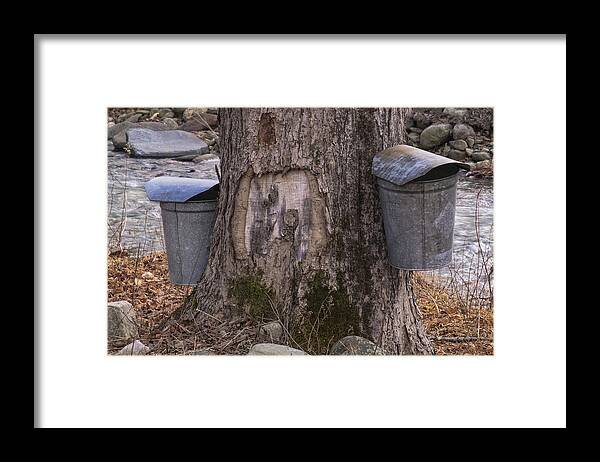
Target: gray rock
[(462, 132), (125, 116), (271, 332), (435, 135), (421, 120), (110, 146), (171, 143), (461, 145), (415, 130), (470, 141), (112, 131), (122, 321), (134, 118), (200, 122), (134, 348), (120, 140), (170, 122), (178, 111), (354, 345), (166, 113), (479, 156), (455, 113), (455, 154), (272, 349)]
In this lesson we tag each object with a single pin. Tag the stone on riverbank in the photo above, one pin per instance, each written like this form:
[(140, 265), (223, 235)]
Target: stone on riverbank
[(480, 156), (455, 154), (170, 143), (435, 135), (462, 132), (461, 145), (134, 348), (271, 332), (272, 349), (122, 321), (354, 345)]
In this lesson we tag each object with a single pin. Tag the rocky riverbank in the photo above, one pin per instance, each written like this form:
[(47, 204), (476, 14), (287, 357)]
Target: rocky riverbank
[(185, 134), (463, 134), (192, 134)]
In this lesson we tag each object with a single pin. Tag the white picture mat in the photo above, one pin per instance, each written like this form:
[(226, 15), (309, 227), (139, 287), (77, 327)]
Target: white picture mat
[(523, 384)]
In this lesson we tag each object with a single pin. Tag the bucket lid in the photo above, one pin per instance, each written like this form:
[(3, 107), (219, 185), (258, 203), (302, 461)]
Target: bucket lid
[(176, 189), (402, 164)]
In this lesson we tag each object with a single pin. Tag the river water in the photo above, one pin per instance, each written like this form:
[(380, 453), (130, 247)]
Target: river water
[(134, 223)]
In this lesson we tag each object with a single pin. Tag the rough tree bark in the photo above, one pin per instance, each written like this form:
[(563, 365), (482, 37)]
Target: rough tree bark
[(299, 235)]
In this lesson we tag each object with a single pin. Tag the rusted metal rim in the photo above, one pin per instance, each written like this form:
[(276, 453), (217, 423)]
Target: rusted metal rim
[(402, 164)]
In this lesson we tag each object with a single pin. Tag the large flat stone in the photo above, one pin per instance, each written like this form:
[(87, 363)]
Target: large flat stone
[(172, 143)]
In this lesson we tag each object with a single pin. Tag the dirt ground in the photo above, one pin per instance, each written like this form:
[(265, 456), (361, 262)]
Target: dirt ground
[(144, 282)]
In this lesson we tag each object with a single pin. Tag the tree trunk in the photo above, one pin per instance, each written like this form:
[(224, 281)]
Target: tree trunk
[(299, 234)]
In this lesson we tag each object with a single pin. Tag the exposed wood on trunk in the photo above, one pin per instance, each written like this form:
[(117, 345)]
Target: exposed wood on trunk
[(299, 235)]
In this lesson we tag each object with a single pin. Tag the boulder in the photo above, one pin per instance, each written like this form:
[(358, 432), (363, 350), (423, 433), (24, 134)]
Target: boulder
[(456, 113), (470, 141), (126, 115), (120, 140), (122, 321), (455, 154), (171, 123), (171, 143), (134, 118), (421, 120), (462, 132), (134, 348), (435, 135), (272, 349), (479, 156), (354, 345), (461, 145), (166, 113), (271, 332)]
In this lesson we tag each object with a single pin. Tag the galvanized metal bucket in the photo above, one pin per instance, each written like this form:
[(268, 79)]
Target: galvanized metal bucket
[(187, 227), (417, 193), (188, 209)]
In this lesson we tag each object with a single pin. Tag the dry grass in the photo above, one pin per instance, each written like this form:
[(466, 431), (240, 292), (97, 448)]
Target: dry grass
[(144, 282), (455, 327)]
